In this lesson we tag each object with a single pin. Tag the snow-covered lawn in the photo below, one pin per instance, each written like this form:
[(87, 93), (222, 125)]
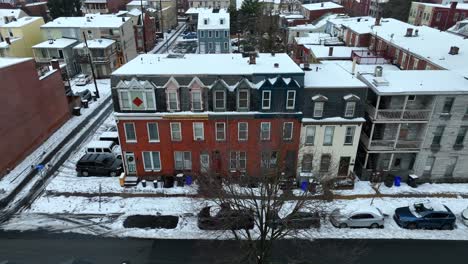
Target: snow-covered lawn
[(10, 181)]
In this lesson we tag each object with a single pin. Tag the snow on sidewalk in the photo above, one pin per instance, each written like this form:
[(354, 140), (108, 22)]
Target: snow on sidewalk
[(11, 180)]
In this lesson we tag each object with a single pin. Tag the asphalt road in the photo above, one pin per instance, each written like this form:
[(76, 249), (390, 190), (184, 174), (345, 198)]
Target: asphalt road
[(38, 248)]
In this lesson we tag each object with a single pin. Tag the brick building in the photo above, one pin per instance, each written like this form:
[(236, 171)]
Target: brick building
[(311, 12), (440, 16), (187, 114), (104, 6), (33, 108)]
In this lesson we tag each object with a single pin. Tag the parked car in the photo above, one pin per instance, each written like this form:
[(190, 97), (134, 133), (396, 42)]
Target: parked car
[(464, 216), (425, 215), (85, 95), (297, 220), (190, 35), (104, 146), (99, 165), (224, 218), (367, 216), (83, 79), (110, 136)]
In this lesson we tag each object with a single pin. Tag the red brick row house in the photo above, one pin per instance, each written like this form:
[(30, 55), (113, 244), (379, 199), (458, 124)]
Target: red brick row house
[(438, 16)]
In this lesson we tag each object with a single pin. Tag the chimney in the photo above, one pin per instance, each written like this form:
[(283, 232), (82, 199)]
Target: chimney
[(306, 66), (276, 65), (88, 19), (416, 32), (123, 19), (453, 5), (321, 4), (353, 68), (51, 41), (7, 40), (378, 72), (409, 32), (454, 50), (359, 19), (330, 51), (252, 58), (55, 64), (377, 21)]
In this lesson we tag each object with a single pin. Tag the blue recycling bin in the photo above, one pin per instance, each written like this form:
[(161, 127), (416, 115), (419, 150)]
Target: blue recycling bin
[(304, 186), (188, 180), (397, 181)]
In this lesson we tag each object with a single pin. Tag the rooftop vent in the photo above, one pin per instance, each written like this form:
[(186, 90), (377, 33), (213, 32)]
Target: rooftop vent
[(416, 32), (380, 81), (378, 72), (306, 66), (51, 41), (321, 4), (454, 50), (276, 65), (252, 58), (409, 32)]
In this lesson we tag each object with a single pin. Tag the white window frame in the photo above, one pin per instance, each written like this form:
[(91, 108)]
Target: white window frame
[(172, 131), (176, 100), (149, 134), (352, 110), (134, 132), (325, 135), (239, 99), (145, 94), (184, 167), (316, 108), (216, 34), (153, 167), (261, 130), (226, 34), (215, 100), (235, 158), (202, 34), (226, 46), (263, 99), (192, 100), (284, 130), (311, 128), (203, 168), (224, 131), (353, 130), (288, 99), (239, 131), (195, 137)]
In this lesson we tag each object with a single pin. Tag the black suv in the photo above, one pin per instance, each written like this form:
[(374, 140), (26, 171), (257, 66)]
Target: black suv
[(99, 165), (225, 219)]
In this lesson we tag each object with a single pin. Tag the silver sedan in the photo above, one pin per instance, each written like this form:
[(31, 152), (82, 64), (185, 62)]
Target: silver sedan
[(357, 217)]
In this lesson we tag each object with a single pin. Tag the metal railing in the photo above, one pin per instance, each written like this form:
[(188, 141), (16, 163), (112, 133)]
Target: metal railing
[(398, 114)]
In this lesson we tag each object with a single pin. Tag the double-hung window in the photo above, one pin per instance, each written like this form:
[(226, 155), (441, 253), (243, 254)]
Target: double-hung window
[(325, 163), (310, 135), (438, 135), (288, 130), (183, 160), (238, 160), (198, 133), (153, 132), (137, 99), (151, 161), (265, 128), (350, 108), (219, 100), (243, 100), (290, 100), (196, 100), (448, 103), (130, 134), (220, 131), (318, 109), (243, 131), (266, 99), (176, 132), (328, 136), (172, 101), (349, 135)]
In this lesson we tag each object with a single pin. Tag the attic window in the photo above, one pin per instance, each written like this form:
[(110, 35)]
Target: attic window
[(205, 21), (221, 21)]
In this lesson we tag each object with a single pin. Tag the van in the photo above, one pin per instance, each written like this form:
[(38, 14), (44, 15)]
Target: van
[(110, 136), (98, 146)]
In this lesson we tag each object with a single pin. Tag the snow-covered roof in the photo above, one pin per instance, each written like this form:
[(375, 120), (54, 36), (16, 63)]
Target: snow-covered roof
[(341, 52), (316, 38), (88, 21), (201, 10), (4, 44), (99, 144), (239, 2), (36, 3), (431, 44), (9, 13), (6, 62), (96, 44), (134, 12), (95, 1), (330, 76), (56, 43), (417, 82), (347, 65), (334, 120), (460, 6), (198, 64), (213, 21), (321, 6), (137, 3), (109, 134), (20, 22)]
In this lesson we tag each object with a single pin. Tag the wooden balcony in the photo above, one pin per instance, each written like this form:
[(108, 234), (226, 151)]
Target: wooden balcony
[(398, 114), (389, 144)]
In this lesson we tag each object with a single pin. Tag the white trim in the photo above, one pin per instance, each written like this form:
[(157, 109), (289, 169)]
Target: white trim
[(168, 92), (224, 131), (269, 130), (325, 136), (269, 99), (224, 100), (201, 99), (292, 130), (314, 128), (125, 131), (238, 99), (247, 131), (353, 109), (287, 99), (321, 110), (202, 131), (180, 131), (157, 130), (152, 164)]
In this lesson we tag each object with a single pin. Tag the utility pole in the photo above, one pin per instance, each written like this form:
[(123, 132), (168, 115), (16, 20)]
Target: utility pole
[(91, 64), (161, 23), (143, 26)]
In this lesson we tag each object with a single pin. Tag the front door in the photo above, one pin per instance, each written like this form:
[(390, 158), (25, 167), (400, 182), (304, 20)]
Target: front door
[(204, 162), (344, 166), (218, 47), (130, 163)]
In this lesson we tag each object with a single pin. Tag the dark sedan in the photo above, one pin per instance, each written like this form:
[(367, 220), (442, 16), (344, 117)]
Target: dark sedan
[(296, 220), (225, 219), (423, 215)]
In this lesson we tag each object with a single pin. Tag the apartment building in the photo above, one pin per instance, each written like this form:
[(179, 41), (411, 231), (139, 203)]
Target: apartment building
[(57, 49), (104, 6), (103, 54), (10, 15), (209, 3), (415, 124), (439, 16), (213, 33), (314, 11), (18, 37), (119, 29), (223, 114)]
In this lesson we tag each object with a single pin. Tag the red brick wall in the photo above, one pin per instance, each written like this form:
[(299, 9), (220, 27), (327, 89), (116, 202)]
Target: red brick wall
[(32, 110), (313, 15), (115, 5), (447, 17), (253, 146)]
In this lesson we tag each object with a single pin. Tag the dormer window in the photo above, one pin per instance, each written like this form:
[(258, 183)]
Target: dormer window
[(243, 100), (172, 101), (319, 104), (205, 21), (196, 100), (221, 21), (219, 100), (350, 108)]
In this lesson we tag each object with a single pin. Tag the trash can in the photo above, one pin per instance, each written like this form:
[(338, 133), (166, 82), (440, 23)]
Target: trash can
[(188, 180), (143, 183), (85, 103), (304, 186), (412, 180), (388, 181), (180, 180), (169, 182), (76, 111), (155, 184), (397, 181)]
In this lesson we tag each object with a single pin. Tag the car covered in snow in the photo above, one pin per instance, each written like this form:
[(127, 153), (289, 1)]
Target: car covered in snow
[(224, 218), (464, 216), (102, 164), (295, 220), (83, 79), (104, 146), (425, 215), (363, 216)]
